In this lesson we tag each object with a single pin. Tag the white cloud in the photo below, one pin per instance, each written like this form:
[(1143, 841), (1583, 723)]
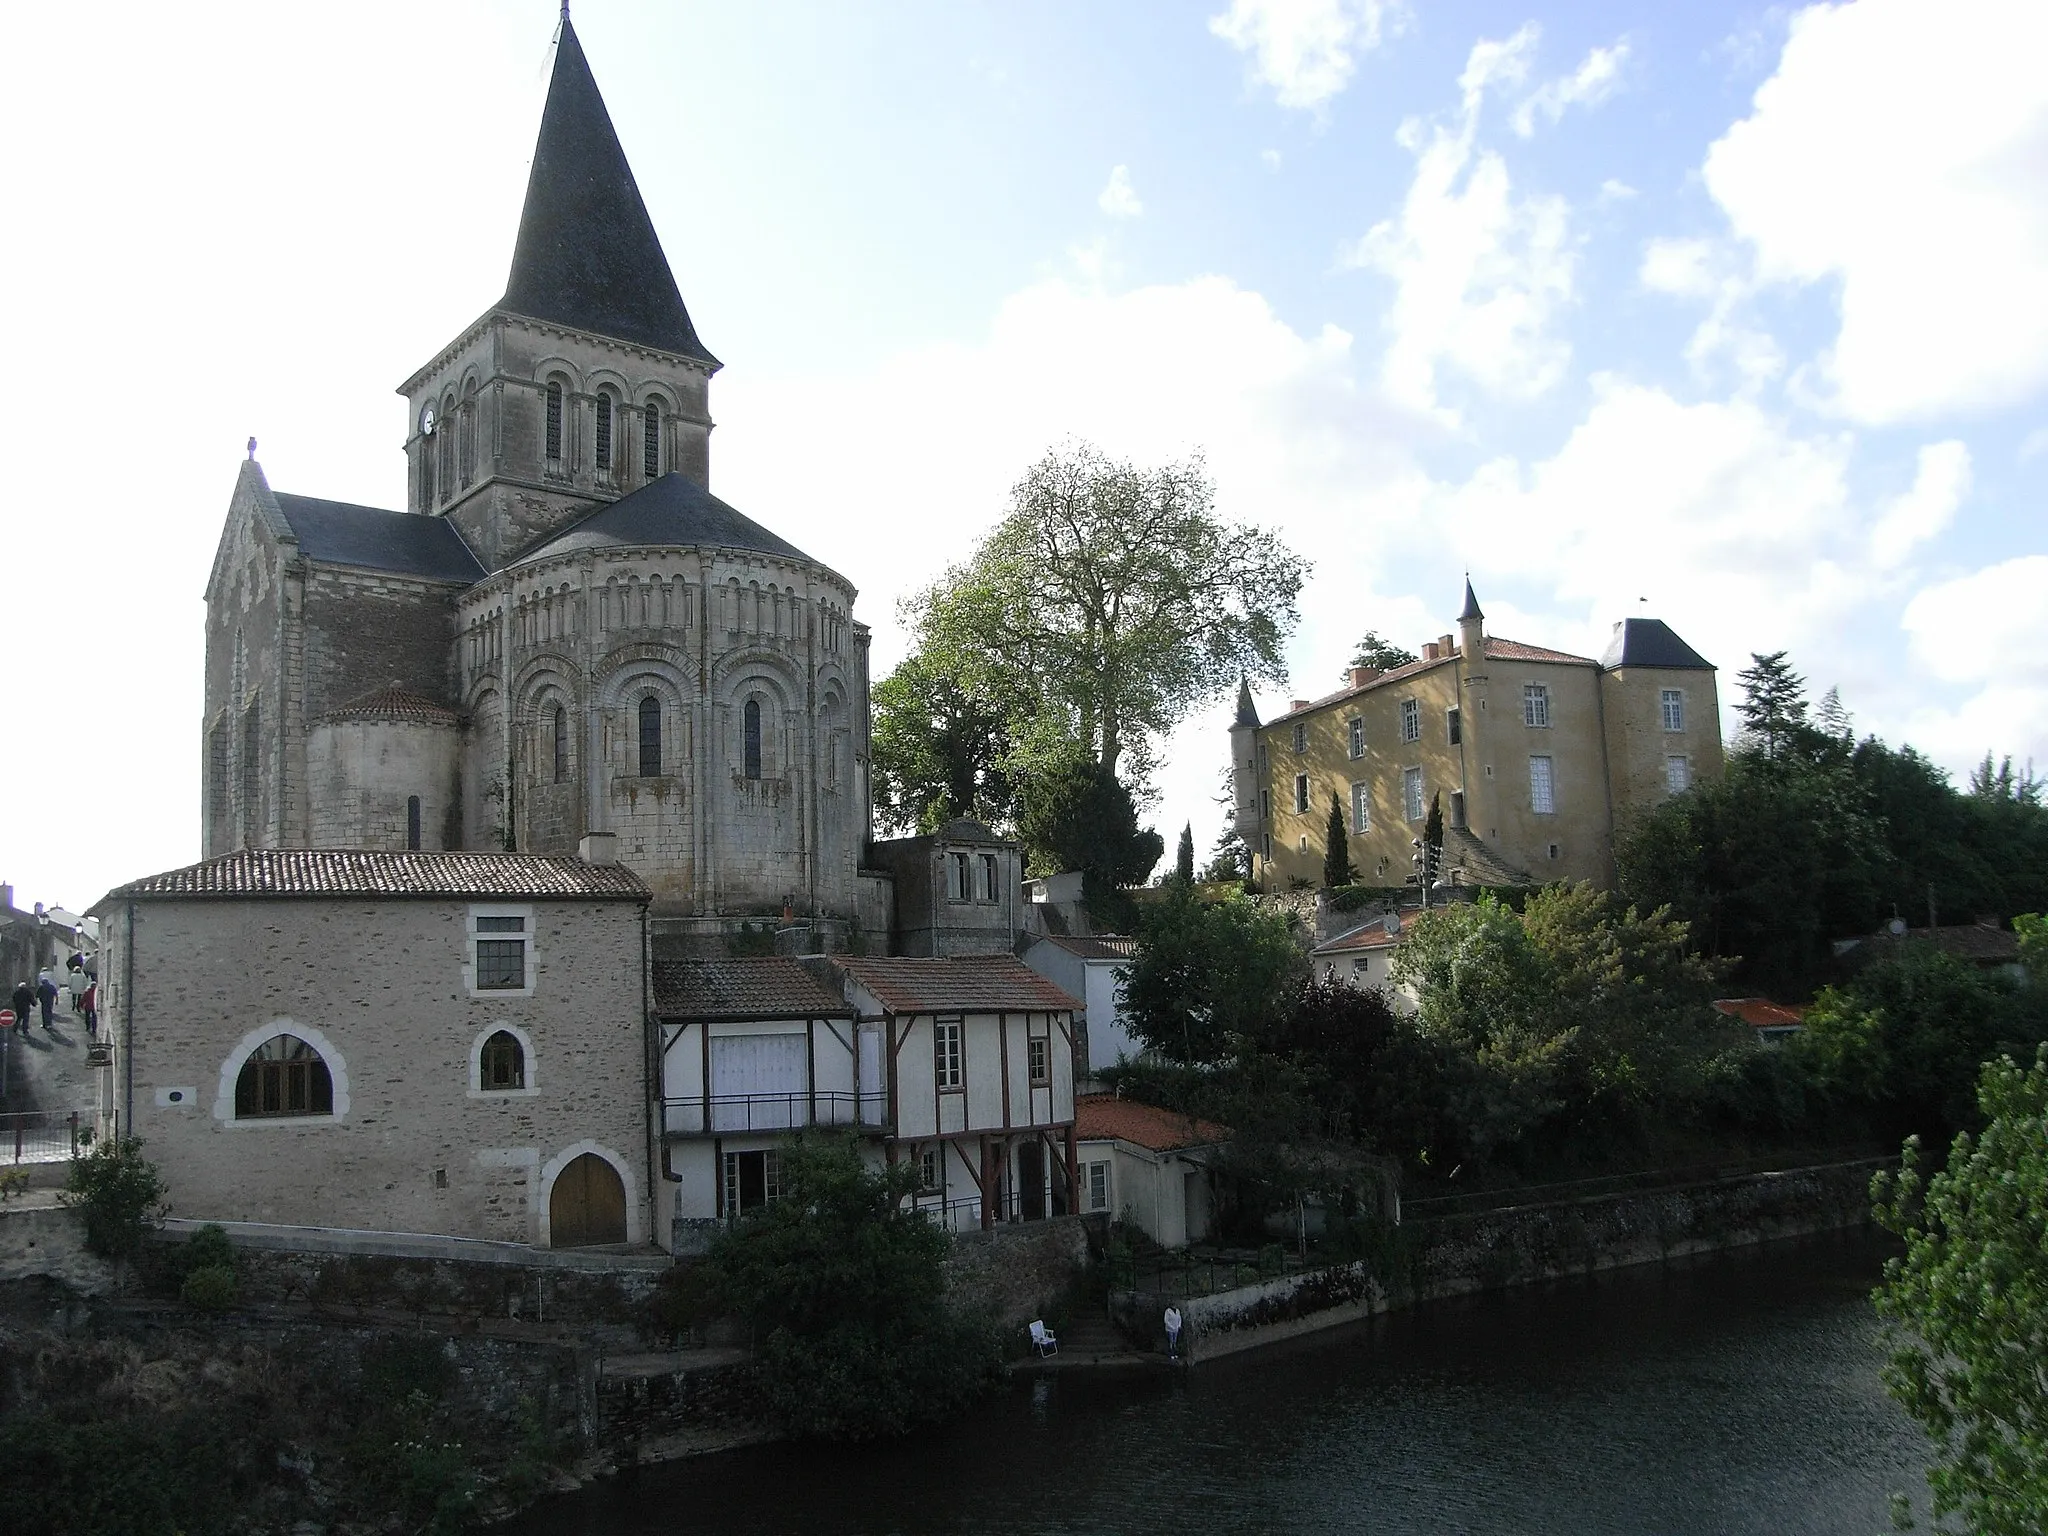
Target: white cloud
[(1928, 508), (1119, 199), (1614, 190), (1985, 635), (1711, 270), (1270, 158), (1597, 78), (1900, 153), (1305, 50), (1480, 275)]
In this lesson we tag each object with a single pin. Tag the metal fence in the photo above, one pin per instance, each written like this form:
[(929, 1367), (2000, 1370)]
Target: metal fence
[(1427, 1206), (1199, 1272), (741, 1113), (40, 1136)]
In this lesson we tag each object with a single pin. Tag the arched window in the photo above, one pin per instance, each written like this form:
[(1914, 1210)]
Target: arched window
[(561, 744), (412, 823), (427, 446), (604, 437), (554, 421), (650, 737), (503, 1064), (750, 746), (650, 441), (445, 431), (283, 1076), (466, 421)]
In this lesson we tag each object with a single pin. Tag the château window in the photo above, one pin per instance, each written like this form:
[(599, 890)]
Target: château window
[(1300, 736), (1672, 703), (604, 438), (650, 441), (503, 1065), (412, 823), (283, 1076), (1411, 793), (1357, 737), (750, 745), (1411, 720), (554, 421), (1677, 774), (650, 737), (1542, 788), (561, 744), (1361, 808), (1300, 793), (1454, 724), (1536, 704)]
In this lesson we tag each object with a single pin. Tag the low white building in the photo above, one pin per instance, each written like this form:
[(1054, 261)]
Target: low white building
[(1148, 1167), (1092, 969), (1364, 958)]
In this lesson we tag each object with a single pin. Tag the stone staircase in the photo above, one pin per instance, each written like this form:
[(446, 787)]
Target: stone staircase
[(1091, 1337)]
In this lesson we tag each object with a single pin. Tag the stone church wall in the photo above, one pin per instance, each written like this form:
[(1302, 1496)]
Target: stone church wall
[(251, 625), (366, 631), (415, 1145), (362, 773)]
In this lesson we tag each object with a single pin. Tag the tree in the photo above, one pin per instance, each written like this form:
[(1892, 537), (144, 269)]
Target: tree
[(1380, 655), (1109, 603), (1076, 815), (842, 1286), (939, 750), (1966, 1306), (1184, 855), (1773, 707), (1337, 870), (120, 1196), (1206, 976), (1230, 861)]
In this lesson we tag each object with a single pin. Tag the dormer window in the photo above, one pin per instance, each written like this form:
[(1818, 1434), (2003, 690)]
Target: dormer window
[(650, 441)]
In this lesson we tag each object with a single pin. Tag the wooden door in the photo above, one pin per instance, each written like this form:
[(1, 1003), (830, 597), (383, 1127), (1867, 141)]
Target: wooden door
[(587, 1204)]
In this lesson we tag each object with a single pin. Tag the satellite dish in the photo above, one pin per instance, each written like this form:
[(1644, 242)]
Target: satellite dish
[(1392, 925), (1896, 927)]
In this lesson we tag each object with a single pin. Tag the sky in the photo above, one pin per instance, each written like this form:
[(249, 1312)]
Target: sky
[(1734, 316)]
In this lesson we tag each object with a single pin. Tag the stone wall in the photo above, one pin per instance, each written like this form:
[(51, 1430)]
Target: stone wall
[(1017, 1271), (40, 1237)]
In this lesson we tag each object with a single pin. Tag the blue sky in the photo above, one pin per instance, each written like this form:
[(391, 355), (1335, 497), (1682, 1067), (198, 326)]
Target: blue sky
[(1733, 315)]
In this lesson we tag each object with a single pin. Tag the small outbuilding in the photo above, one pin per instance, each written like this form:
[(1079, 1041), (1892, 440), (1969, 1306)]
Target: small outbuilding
[(1149, 1167)]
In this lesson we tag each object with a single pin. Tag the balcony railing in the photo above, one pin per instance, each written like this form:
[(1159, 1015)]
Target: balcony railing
[(736, 1114)]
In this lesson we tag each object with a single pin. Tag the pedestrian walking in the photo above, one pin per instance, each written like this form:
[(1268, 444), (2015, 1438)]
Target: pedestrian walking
[(80, 985), (24, 1006), (1172, 1332), (46, 994), (92, 1009)]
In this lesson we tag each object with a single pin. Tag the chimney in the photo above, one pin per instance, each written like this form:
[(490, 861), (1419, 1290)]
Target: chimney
[(1431, 651), (598, 848), (1294, 704), (1444, 647), (1360, 676)]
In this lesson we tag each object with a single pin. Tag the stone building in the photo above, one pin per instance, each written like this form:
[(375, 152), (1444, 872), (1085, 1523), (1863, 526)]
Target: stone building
[(1532, 790), (564, 631)]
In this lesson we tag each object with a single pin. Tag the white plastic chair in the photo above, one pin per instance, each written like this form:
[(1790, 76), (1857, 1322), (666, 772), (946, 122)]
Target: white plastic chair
[(1042, 1339)]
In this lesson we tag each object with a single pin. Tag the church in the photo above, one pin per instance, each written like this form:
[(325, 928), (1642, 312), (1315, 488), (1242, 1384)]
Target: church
[(539, 898), (563, 631)]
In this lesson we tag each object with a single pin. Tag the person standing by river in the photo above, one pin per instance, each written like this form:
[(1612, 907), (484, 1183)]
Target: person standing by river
[(1172, 1331)]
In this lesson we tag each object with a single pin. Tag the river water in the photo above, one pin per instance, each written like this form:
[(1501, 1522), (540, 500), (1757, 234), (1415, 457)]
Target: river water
[(1724, 1396)]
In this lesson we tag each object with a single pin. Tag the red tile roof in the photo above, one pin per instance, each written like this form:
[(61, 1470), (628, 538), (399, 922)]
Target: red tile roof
[(1104, 1117), (1372, 935), (1496, 648), (393, 703), (957, 984), (1761, 1012), (766, 987), (293, 872)]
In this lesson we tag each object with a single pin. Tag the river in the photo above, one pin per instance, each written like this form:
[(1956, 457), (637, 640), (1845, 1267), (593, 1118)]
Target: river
[(1729, 1395)]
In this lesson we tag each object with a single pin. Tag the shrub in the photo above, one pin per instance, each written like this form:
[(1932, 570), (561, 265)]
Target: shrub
[(116, 1189), (209, 1288)]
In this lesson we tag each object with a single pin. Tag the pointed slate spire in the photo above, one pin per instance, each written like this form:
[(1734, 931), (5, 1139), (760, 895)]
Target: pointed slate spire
[(1247, 711), (587, 254), (1471, 609)]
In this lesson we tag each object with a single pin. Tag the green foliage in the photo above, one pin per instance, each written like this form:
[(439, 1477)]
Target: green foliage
[(117, 1191), (1078, 816), (406, 1449), (940, 749), (1966, 1306), (2031, 929), (209, 1286), (1107, 604), (1337, 870), (1353, 898), (842, 1287), (1184, 855), (1773, 708), (1382, 655), (133, 1476), (1206, 974)]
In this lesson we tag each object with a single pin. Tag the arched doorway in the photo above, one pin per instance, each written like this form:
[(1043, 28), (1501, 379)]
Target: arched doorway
[(587, 1204)]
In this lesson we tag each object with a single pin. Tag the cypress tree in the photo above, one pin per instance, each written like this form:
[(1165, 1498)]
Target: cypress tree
[(1337, 868), (1184, 856)]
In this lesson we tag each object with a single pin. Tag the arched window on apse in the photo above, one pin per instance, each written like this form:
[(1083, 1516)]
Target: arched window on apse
[(554, 443), (561, 744), (650, 441), (650, 737), (750, 746)]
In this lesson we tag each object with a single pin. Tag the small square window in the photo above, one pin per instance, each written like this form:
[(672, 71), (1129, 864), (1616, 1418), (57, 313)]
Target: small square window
[(1300, 736), (1411, 720), (1553, 850), (1300, 793), (500, 964), (1357, 738), (1671, 703), (1041, 1061), (1536, 704)]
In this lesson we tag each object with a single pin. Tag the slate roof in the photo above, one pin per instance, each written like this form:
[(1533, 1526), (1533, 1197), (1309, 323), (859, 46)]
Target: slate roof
[(587, 255), (300, 872), (766, 987), (1471, 609), (1247, 711), (958, 984), (1104, 1117), (393, 703), (341, 533), (672, 512), (1651, 643)]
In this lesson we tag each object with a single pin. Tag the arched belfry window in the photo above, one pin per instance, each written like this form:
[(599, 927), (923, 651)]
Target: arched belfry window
[(283, 1076), (466, 423), (561, 744), (650, 441), (502, 1065), (445, 431), (650, 737), (750, 746), (554, 409), (604, 437)]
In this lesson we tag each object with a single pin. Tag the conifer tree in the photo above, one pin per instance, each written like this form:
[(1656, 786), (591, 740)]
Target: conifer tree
[(1184, 855), (1337, 870)]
